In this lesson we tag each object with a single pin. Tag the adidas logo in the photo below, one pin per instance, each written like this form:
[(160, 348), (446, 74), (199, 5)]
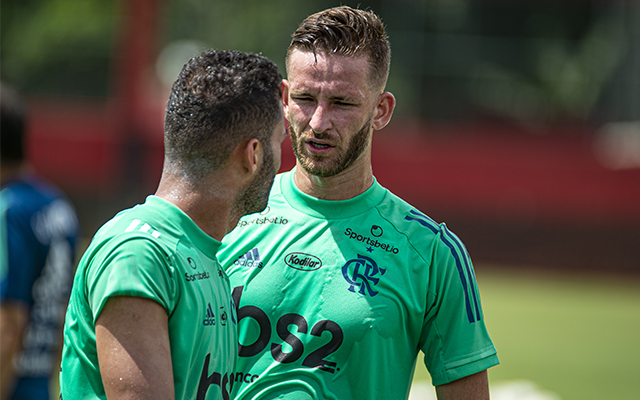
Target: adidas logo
[(250, 259), (210, 318)]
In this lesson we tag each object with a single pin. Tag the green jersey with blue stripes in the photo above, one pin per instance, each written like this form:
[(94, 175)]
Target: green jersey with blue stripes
[(155, 251), (336, 298)]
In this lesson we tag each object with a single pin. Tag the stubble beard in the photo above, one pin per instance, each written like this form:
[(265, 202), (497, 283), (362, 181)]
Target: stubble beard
[(254, 197), (314, 165)]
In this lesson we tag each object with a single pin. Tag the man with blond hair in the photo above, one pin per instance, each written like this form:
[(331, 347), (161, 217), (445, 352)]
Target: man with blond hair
[(340, 284)]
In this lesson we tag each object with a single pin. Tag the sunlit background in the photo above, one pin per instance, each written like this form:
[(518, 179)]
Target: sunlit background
[(517, 123)]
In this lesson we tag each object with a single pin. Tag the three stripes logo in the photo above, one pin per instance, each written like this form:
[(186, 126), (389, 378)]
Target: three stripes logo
[(250, 259), (462, 261), (210, 318), (144, 228)]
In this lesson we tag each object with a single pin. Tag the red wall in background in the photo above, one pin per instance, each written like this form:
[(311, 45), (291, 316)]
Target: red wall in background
[(486, 170), (522, 188)]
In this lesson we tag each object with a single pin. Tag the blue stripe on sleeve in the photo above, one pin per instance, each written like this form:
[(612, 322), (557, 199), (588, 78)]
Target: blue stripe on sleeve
[(458, 248), (461, 257), (424, 221)]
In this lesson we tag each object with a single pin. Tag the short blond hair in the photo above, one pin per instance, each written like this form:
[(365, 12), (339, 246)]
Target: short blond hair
[(349, 32)]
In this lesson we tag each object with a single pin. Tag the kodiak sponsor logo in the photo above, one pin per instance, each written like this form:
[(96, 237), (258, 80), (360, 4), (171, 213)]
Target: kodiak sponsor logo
[(374, 243), (303, 261)]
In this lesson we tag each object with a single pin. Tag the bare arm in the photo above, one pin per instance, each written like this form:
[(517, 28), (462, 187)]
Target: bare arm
[(132, 338), (473, 387), (13, 321)]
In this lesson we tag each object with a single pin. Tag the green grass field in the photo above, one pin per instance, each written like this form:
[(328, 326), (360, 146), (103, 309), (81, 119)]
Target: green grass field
[(575, 335)]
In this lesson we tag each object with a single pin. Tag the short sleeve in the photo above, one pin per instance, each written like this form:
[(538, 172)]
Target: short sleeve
[(136, 267), (455, 340)]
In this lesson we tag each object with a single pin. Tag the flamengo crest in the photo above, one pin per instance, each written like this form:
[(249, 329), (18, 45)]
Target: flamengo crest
[(363, 273)]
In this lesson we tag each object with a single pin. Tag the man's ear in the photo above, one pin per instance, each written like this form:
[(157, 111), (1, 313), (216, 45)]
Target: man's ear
[(284, 90), (252, 155), (384, 110)]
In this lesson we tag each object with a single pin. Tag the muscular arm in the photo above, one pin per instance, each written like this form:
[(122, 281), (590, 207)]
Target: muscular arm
[(134, 354), (473, 387), (13, 321)]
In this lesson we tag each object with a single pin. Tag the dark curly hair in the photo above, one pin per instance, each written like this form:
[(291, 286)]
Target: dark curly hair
[(220, 99), (349, 32)]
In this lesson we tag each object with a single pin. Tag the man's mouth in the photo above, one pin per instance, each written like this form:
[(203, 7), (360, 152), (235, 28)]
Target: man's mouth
[(318, 145)]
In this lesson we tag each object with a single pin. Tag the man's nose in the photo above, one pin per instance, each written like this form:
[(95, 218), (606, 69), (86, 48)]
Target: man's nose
[(320, 120)]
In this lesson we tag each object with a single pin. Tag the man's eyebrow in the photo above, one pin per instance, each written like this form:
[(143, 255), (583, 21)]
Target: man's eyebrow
[(299, 91), (311, 93), (349, 99)]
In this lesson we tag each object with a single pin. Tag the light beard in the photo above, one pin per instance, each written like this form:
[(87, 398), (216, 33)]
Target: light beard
[(346, 156)]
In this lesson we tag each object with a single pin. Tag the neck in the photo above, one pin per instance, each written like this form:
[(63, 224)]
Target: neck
[(9, 171), (208, 204), (345, 185)]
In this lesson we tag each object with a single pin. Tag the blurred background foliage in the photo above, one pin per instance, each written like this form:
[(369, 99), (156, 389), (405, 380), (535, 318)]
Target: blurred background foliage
[(561, 61), (58, 47)]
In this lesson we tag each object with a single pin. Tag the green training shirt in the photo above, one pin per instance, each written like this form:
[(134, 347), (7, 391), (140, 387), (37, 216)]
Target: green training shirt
[(336, 298), (155, 251)]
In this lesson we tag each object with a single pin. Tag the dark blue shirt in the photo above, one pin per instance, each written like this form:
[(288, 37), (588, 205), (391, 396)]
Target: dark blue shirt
[(38, 233)]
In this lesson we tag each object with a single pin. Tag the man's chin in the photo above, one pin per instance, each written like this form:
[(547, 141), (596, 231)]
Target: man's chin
[(319, 171)]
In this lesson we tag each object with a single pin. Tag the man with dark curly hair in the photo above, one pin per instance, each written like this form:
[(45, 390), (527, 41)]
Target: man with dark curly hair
[(151, 314)]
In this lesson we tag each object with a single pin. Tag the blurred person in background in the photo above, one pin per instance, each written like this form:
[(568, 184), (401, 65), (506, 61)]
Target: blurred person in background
[(38, 233), (340, 283), (151, 314)]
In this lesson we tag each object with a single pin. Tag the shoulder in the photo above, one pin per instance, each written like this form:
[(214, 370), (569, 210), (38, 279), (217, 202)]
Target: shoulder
[(34, 188), (41, 206), (420, 230), (141, 226), (405, 217), (22, 197), (125, 253)]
